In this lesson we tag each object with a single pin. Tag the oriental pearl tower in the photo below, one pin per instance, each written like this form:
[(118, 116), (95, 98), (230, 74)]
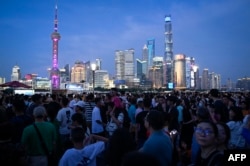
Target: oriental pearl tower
[(55, 73)]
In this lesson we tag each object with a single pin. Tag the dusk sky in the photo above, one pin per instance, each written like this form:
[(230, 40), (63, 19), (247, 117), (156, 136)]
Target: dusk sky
[(215, 32)]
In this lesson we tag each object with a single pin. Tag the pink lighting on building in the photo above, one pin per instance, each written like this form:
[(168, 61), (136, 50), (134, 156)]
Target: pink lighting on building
[(55, 73)]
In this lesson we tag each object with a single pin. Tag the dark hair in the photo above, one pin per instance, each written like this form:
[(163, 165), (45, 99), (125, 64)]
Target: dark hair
[(65, 101), (139, 158), (155, 119), (98, 99), (79, 118), (147, 102), (77, 134), (36, 97), (227, 131), (19, 104), (120, 143), (214, 92), (238, 115)]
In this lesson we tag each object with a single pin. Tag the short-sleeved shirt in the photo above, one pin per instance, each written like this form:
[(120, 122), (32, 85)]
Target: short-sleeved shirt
[(31, 139), (96, 115), (85, 156), (64, 118)]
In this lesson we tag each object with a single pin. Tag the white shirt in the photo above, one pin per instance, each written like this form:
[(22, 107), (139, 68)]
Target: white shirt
[(82, 157), (96, 115), (64, 117)]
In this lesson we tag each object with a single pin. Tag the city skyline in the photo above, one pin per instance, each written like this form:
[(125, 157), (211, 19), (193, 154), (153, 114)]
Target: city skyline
[(213, 32)]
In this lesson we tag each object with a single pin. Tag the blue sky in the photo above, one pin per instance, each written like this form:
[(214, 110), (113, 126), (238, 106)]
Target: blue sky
[(215, 32)]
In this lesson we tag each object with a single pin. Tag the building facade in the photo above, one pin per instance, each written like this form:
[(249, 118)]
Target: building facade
[(78, 72), (180, 71), (168, 76), (16, 73)]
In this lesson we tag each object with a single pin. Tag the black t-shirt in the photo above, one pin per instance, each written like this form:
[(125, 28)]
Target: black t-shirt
[(142, 132), (214, 159)]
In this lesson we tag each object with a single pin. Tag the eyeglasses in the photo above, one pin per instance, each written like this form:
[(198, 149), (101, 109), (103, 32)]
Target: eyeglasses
[(205, 132)]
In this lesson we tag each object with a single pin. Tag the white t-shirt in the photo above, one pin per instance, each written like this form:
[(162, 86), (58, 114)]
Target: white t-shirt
[(96, 115), (64, 117), (83, 157)]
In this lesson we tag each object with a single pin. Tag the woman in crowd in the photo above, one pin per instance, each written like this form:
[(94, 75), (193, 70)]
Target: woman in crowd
[(206, 134), (223, 136)]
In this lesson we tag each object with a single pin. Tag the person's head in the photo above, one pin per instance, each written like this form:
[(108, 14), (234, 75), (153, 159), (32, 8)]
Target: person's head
[(171, 100), (235, 114), (79, 120), (146, 102), (18, 105), (98, 101), (223, 134), (77, 135), (202, 113), (79, 106), (154, 120), (39, 112), (139, 158), (206, 134), (37, 98), (214, 93), (65, 102), (120, 143)]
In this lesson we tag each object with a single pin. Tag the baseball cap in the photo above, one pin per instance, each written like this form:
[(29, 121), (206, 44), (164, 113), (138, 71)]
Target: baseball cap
[(80, 104)]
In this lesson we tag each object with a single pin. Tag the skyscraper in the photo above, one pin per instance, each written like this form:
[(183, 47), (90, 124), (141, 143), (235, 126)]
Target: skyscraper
[(55, 73), (180, 71), (151, 52), (16, 73), (124, 65), (168, 54), (98, 62)]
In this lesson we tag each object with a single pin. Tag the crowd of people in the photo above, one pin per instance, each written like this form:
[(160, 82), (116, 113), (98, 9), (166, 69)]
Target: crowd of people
[(123, 129)]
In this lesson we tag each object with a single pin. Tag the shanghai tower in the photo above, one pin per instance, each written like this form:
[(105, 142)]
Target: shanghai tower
[(55, 73), (168, 76)]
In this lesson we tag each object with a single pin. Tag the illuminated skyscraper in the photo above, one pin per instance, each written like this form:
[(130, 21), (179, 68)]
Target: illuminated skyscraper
[(98, 64), (168, 54), (16, 73), (180, 71), (151, 52), (55, 73)]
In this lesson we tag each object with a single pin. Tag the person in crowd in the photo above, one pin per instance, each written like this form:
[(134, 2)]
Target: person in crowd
[(141, 131), (10, 153), (139, 107), (97, 124), (235, 125), (79, 120), (162, 105), (20, 121), (131, 114), (120, 143), (80, 107), (206, 134), (89, 106), (172, 114), (36, 101), (32, 142), (53, 107), (223, 136), (158, 144), (81, 154), (116, 99), (64, 118), (139, 158)]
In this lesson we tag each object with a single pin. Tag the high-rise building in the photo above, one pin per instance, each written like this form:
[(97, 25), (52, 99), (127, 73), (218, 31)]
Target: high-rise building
[(151, 52), (98, 64), (124, 65), (16, 73), (55, 73), (156, 72), (214, 81), (180, 71), (78, 72), (168, 54), (141, 71), (145, 54), (101, 78), (2, 80), (205, 80)]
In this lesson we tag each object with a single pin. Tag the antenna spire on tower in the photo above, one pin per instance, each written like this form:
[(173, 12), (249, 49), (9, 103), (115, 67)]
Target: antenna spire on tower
[(56, 20)]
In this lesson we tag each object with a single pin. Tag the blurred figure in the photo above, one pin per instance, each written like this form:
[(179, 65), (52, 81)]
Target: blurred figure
[(223, 136), (158, 140)]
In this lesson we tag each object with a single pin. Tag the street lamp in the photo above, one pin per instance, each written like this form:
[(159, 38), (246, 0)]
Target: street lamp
[(93, 68)]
